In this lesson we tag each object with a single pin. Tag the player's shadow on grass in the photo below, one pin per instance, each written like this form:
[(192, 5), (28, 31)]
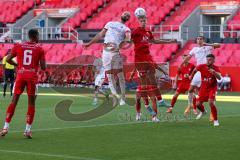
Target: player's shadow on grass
[(62, 109)]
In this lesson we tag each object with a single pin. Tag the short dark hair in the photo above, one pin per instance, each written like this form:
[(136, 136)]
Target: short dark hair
[(211, 56), (33, 34), (184, 55), (201, 37)]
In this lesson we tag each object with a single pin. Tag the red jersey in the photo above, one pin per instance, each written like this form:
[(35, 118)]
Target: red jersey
[(209, 81), (28, 59), (141, 38), (185, 71)]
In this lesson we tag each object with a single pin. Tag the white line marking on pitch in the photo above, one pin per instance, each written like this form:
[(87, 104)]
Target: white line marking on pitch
[(47, 155), (117, 124)]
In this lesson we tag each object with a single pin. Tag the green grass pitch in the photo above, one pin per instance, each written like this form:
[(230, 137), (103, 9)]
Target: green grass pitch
[(116, 136)]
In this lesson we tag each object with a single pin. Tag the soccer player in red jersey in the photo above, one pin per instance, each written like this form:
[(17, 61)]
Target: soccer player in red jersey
[(142, 93), (209, 75), (184, 71), (30, 56), (142, 38)]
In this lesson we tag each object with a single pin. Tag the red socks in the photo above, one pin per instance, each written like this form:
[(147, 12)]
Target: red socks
[(10, 112), (138, 105), (30, 114), (174, 99), (214, 111), (201, 108)]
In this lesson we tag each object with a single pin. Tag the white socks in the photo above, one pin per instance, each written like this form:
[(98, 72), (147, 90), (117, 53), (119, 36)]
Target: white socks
[(28, 128), (6, 125), (122, 83), (112, 83)]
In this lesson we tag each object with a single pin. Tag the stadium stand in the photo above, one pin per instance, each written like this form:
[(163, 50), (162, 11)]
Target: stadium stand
[(12, 10), (86, 9), (61, 53), (182, 13), (111, 12)]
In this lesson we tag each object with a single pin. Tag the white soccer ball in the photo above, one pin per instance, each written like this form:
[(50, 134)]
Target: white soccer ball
[(140, 12)]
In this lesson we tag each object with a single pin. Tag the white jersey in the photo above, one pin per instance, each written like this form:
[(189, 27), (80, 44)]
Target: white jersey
[(115, 32), (200, 53), (99, 66)]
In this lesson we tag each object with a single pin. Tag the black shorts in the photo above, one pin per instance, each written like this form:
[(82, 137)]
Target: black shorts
[(9, 75)]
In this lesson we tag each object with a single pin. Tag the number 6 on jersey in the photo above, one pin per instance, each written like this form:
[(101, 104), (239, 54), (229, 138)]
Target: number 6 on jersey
[(27, 57)]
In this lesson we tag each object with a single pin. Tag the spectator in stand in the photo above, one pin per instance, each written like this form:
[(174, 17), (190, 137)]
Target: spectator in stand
[(58, 33), (226, 82), (219, 83), (8, 39)]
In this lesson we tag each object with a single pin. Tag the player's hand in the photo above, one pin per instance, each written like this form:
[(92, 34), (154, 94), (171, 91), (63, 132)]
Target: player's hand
[(86, 45), (190, 78), (212, 71)]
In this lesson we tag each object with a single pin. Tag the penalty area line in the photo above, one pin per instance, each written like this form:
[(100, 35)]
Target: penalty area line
[(46, 155)]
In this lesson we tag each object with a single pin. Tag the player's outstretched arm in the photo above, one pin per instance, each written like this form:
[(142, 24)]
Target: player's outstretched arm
[(161, 41), (127, 41), (9, 59), (214, 45), (96, 38)]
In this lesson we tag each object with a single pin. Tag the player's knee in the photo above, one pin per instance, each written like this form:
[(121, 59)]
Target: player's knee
[(211, 103)]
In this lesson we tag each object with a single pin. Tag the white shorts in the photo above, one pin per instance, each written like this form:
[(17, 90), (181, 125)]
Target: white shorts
[(99, 80), (196, 81), (111, 60)]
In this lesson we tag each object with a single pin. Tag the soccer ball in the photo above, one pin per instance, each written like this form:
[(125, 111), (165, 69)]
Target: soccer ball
[(140, 12)]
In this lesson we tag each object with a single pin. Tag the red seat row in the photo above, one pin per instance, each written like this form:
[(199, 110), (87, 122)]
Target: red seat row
[(156, 11), (62, 53), (12, 10), (86, 8)]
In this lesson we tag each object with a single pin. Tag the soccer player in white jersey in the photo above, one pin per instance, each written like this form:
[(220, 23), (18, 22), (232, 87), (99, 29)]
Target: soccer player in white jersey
[(99, 79), (116, 34), (200, 53)]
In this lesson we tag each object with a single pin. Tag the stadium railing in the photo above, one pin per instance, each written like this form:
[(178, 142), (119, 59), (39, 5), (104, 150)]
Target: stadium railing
[(46, 33), (222, 31)]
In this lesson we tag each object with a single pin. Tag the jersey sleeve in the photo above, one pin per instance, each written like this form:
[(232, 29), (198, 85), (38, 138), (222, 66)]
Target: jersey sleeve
[(127, 30), (42, 53), (192, 52), (15, 50), (199, 67), (107, 26), (179, 70)]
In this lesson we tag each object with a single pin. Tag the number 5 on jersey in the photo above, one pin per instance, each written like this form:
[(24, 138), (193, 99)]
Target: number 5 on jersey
[(27, 57)]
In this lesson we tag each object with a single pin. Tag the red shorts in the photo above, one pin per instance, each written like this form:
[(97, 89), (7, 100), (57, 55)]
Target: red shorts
[(20, 85), (145, 66), (183, 87), (207, 94), (141, 92)]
